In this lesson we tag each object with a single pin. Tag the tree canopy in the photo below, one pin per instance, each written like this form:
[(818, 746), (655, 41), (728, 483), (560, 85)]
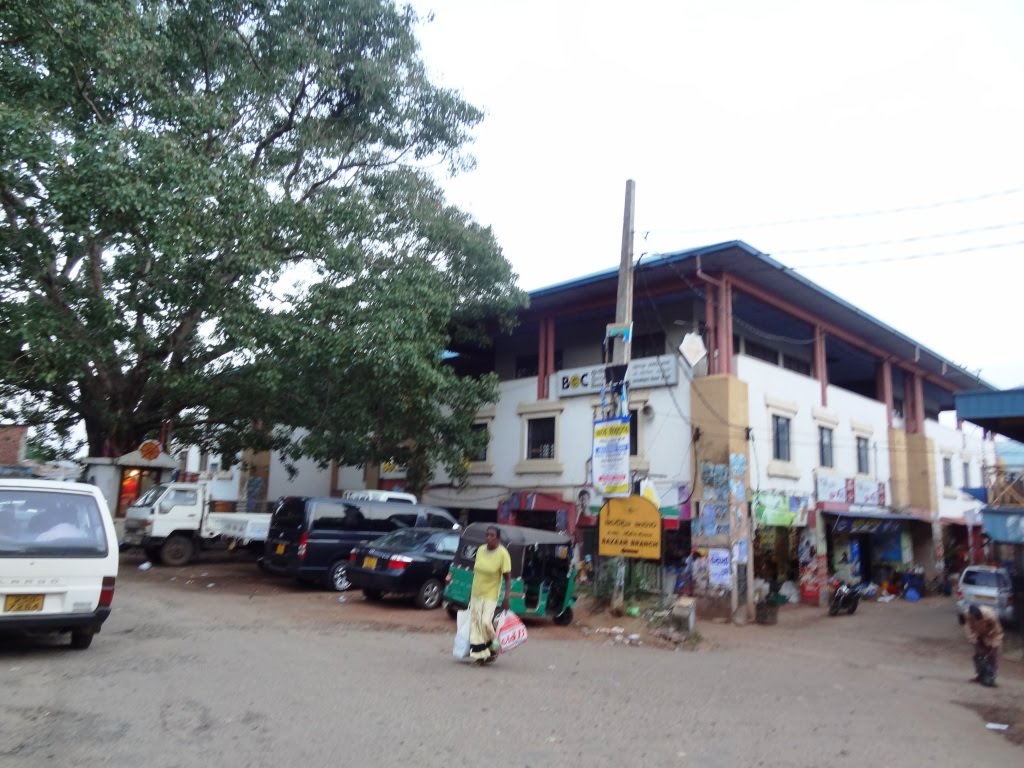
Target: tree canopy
[(222, 213)]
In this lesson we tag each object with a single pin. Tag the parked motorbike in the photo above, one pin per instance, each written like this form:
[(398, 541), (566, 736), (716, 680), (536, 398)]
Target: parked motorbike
[(844, 598)]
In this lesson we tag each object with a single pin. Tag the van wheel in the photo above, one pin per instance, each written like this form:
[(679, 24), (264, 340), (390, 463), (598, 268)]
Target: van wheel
[(337, 577), (430, 594), (564, 619), (81, 639), (177, 550)]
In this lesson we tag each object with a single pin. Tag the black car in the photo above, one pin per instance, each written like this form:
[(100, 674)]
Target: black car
[(412, 561)]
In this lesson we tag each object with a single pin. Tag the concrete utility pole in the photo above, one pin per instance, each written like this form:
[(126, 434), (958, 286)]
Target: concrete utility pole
[(624, 300), (621, 348)]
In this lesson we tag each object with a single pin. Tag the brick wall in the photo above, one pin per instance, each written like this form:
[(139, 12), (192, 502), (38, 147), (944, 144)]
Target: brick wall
[(12, 444)]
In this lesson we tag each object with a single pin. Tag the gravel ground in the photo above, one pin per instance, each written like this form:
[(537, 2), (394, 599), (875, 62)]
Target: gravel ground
[(260, 672)]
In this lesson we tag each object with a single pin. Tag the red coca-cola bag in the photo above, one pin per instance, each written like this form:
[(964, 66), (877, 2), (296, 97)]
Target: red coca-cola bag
[(511, 631)]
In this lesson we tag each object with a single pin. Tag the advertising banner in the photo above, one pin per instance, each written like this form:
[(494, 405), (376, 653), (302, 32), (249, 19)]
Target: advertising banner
[(643, 373), (719, 571), (611, 457), (630, 527)]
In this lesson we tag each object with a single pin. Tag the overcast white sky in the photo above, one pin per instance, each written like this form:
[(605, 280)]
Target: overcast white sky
[(730, 114)]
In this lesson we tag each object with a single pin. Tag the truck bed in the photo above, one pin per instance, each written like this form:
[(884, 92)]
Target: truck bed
[(244, 526)]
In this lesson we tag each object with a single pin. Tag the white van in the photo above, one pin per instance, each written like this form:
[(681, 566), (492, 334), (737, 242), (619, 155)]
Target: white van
[(58, 558)]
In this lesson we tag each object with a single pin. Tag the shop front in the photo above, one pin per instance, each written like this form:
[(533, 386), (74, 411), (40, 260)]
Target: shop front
[(784, 546), (875, 546), (126, 478)]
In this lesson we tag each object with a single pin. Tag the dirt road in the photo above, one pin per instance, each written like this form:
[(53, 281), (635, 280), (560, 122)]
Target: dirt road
[(257, 672)]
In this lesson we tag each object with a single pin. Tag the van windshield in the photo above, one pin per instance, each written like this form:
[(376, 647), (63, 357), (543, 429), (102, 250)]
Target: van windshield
[(50, 524)]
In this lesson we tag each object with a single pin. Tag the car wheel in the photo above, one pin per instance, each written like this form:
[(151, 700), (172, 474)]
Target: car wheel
[(564, 619), (81, 639), (337, 577), (430, 594), (177, 551), (373, 594)]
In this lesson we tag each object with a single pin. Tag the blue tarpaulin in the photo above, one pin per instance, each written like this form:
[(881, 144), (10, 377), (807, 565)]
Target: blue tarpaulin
[(1003, 524)]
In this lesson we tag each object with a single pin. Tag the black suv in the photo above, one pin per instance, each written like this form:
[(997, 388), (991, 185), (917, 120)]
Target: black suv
[(311, 538)]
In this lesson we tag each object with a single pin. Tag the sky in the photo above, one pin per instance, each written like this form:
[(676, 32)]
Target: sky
[(877, 147)]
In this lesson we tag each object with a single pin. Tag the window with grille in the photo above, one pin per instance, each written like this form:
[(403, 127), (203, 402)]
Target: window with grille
[(540, 438), (780, 438)]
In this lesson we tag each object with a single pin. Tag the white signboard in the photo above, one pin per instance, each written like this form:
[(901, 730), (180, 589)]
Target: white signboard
[(830, 488), (719, 572), (870, 493), (645, 373), (611, 457)]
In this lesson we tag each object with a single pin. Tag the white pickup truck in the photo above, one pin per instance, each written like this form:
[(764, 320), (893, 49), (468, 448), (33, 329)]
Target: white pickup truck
[(173, 521)]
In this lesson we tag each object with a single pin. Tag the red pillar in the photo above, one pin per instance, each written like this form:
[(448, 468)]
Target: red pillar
[(542, 359), (551, 356), (820, 363), (884, 388), (724, 328), (710, 297)]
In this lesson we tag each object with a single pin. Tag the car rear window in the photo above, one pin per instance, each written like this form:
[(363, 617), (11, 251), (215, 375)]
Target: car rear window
[(50, 524), (992, 579), (290, 513), (402, 540)]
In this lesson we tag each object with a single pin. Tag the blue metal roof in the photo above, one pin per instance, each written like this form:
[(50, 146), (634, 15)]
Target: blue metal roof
[(999, 412)]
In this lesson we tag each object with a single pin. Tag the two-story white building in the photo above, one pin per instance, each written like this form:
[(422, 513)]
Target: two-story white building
[(808, 443)]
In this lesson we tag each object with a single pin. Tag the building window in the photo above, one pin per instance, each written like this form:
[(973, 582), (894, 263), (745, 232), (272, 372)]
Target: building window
[(863, 460), (760, 351), (648, 345), (527, 365), (481, 455), (780, 438), (947, 471), (540, 438), (796, 365), (825, 447), (967, 474)]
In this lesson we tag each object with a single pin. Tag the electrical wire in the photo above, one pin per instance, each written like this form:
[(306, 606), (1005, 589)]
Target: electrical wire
[(904, 240), (846, 216)]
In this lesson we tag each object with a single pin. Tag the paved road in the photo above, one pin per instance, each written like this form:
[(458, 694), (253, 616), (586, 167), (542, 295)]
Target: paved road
[(196, 676)]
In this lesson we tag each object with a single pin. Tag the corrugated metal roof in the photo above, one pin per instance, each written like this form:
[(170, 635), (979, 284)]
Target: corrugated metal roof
[(738, 258)]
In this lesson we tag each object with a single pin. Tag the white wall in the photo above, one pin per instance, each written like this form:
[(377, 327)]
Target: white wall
[(310, 480), (966, 445), (773, 389), (664, 441)]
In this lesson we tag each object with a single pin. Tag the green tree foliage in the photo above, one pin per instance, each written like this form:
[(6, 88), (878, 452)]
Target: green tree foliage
[(221, 213)]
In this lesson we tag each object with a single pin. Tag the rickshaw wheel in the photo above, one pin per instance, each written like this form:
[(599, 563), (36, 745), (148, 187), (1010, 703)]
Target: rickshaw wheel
[(564, 619)]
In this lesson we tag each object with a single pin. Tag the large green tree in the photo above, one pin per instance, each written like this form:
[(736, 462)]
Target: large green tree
[(221, 213)]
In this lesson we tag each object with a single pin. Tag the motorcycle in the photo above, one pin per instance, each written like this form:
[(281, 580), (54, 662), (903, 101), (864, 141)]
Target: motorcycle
[(844, 598)]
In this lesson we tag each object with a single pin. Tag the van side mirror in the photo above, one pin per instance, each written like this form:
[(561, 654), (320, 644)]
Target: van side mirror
[(165, 507)]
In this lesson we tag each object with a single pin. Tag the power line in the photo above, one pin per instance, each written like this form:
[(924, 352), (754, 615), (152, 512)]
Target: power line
[(843, 216), (904, 240), (912, 257)]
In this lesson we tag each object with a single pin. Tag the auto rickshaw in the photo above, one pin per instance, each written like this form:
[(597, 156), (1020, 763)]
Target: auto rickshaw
[(543, 575)]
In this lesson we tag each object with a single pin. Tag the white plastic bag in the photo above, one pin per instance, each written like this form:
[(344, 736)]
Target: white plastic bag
[(461, 647), (511, 631)]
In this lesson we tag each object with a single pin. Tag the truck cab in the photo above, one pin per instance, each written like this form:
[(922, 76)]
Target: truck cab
[(167, 520)]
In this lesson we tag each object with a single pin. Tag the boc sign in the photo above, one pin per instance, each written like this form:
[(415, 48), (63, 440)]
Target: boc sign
[(629, 527)]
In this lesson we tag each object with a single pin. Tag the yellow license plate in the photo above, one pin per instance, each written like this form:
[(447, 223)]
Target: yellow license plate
[(23, 603), (280, 549), (369, 562)]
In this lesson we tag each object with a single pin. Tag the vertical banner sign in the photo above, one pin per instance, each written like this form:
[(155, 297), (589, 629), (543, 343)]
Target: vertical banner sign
[(611, 457)]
